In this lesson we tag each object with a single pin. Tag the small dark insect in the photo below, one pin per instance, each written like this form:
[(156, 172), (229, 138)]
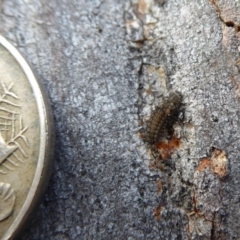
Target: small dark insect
[(160, 124)]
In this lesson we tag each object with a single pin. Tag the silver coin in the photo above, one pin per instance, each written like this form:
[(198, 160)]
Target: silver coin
[(26, 141)]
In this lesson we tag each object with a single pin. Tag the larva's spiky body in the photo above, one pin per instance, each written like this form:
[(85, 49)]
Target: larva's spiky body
[(160, 124)]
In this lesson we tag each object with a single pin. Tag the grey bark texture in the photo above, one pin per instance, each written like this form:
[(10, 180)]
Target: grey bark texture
[(106, 65)]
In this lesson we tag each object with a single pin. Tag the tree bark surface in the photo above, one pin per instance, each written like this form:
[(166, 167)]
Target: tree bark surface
[(106, 66)]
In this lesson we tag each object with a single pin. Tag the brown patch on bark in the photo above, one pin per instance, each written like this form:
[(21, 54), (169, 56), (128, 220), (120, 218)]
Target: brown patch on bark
[(238, 64), (204, 162), (162, 76), (148, 90), (216, 163), (142, 6), (236, 83), (159, 186), (166, 148), (156, 164), (226, 41), (157, 212)]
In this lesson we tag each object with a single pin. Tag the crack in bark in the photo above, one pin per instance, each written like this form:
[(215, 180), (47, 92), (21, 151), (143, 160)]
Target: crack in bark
[(227, 23)]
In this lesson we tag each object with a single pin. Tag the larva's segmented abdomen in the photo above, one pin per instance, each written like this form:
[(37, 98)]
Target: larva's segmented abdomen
[(160, 124)]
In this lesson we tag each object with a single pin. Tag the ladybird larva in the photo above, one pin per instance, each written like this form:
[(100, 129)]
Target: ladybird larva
[(160, 124)]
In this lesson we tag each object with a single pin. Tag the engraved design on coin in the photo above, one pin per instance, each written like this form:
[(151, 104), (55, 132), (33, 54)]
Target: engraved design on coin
[(12, 131), (7, 200), (26, 139), (12, 139)]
